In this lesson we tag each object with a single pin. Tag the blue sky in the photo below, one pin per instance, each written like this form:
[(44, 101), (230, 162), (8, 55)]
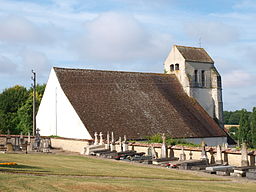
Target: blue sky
[(128, 35)]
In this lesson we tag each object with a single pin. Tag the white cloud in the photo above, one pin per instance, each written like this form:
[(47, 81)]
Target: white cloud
[(114, 37), (7, 66), (238, 78), (16, 29), (245, 4), (212, 33), (36, 61)]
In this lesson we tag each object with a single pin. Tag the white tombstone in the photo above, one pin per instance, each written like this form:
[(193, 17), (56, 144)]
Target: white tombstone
[(182, 155), (107, 145), (120, 145), (101, 138), (163, 148), (203, 153), (112, 146), (125, 144), (219, 155), (96, 138)]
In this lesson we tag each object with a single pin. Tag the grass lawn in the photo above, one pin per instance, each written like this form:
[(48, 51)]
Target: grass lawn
[(52, 172)]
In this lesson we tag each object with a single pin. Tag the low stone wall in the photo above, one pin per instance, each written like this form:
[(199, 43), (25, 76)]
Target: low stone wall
[(230, 155), (73, 145)]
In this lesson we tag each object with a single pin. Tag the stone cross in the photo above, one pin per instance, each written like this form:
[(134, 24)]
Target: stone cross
[(37, 141), (96, 138), (203, 153), (101, 138), (182, 155), (120, 144), (125, 144), (112, 137), (107, 146), (163, 148), (244, 156), (112, 146), (219, 155)]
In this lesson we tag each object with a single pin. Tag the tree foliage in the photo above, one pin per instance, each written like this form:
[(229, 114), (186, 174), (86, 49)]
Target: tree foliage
[(16, 108)]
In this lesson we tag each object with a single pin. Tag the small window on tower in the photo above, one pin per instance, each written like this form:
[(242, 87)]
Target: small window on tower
[(203, 78), (177, 66), (171, 67)]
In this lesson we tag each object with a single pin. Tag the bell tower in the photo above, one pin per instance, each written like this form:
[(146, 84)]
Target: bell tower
[(198, 76)]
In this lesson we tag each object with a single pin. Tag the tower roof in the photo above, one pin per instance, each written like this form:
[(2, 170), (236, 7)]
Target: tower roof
[(135, 104), (194, 54)]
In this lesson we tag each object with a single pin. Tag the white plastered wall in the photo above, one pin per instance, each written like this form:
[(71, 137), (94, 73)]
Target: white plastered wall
[(173, 58), (56, 115)]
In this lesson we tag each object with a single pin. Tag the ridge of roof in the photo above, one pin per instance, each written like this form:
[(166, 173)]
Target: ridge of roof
[(107, 71), (194, 54)]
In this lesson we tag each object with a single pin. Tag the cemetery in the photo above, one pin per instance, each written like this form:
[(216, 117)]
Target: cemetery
[(219, 160)]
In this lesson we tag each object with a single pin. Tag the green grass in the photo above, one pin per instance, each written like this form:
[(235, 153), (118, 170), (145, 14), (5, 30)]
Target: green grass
[(49, 172)]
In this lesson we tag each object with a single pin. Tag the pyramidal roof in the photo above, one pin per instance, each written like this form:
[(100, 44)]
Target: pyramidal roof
[(194, 54), (135, 104)]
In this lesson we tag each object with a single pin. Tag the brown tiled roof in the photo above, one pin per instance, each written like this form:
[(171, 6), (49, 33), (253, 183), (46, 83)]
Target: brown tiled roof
[(135, 104), (194, 54)]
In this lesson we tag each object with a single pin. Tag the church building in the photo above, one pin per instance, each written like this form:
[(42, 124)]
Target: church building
[(185, 102)]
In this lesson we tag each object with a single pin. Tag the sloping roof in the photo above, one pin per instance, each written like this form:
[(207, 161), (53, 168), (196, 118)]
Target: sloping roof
[(135, 104), (194, 54)]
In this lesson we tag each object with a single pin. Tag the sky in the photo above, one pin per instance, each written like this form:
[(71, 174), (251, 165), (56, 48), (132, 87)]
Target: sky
[(128, 35)]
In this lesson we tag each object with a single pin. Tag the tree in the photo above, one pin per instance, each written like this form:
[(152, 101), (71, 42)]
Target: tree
[(16, 108), (11, 100), (244, 129), (226, 116), (25, 113), (253, 127)]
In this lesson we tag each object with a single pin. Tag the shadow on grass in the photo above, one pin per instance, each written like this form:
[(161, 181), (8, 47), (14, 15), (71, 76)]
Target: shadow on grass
[(21, 169), (20, 166)]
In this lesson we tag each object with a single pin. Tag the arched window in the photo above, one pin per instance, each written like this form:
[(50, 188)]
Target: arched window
[(177, 66), (171, 67), (203, 78)]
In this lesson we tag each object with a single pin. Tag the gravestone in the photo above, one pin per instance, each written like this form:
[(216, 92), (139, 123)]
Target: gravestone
[(96, 138), (125, 144), (171, 154), (37, 141), (29, 143), (203, 153), (244, 156), (119, 148), (101, 138), (182, 154), (219, 160), (107, 145), (154, 153), (46, 146), (163, 148), (212, 159), (252, 159), (112, 146)]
